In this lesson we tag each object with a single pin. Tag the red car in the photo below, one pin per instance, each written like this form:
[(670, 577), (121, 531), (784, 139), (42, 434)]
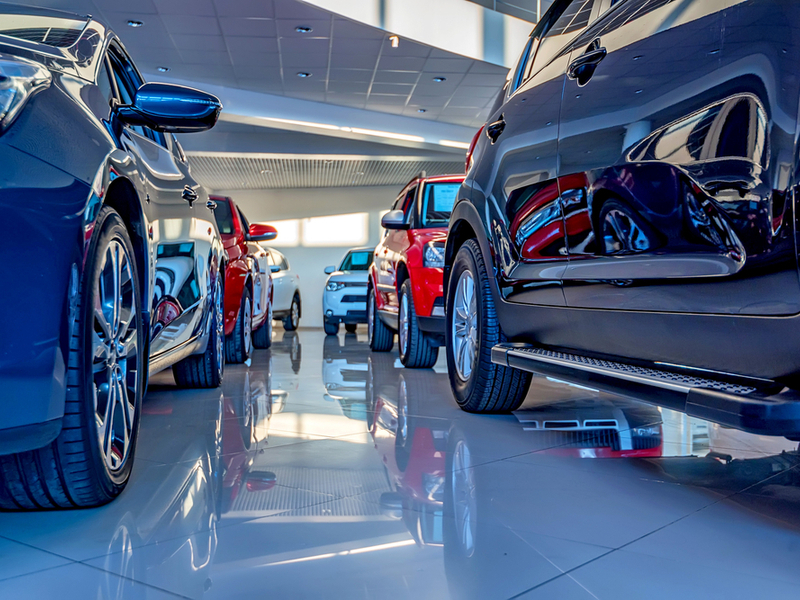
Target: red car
[(248, 283), (405, 279)]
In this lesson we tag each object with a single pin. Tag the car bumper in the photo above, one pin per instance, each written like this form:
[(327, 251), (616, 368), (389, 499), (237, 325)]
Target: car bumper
[(348, 305)]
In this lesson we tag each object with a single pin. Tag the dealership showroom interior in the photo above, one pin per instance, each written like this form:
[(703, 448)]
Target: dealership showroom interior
[(400, 299)]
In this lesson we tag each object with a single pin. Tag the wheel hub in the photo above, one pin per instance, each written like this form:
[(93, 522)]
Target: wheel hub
[(465, 326)]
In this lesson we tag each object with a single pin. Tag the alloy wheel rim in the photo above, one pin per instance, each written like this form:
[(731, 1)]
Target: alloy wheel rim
[(465, 326), (370, 317), (295, 314), (404, 323), (464, 497), (219, 325), (115, 355), (248, 326)]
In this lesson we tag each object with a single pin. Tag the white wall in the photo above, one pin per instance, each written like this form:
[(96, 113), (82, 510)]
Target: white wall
[(263, 206)]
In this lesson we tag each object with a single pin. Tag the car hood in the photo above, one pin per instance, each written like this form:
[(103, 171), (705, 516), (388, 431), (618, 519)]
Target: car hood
[(350, 276)]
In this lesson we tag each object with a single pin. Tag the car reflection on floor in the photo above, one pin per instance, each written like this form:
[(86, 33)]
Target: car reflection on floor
[(393, 492)]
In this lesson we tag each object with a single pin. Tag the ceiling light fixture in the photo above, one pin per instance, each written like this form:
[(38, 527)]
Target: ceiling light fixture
[(303, 74), (395, 41), (303, 29), (452, 144), (266, 171), (163, 69), (133, 23), (439, 79), (422, 110)]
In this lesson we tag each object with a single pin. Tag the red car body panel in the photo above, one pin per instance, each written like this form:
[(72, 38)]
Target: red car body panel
[(241, 270), (404, 249)]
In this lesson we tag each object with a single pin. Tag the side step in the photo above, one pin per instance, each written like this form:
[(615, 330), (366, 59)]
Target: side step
[(736, 405)]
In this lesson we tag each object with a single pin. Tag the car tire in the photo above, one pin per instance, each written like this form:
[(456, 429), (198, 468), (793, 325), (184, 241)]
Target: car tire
[(416, 350), (381, 338), (206, 370), (262, 337), (331, 328), (239, 344), (478, 384), (350, 327), (85, 466), (292, 321)]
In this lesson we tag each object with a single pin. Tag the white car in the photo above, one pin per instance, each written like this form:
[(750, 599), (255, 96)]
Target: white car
[(286, 303), (345, 296)]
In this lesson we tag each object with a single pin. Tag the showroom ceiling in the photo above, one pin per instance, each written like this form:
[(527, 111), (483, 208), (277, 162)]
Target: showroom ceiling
[(236, 171), (262, 45)]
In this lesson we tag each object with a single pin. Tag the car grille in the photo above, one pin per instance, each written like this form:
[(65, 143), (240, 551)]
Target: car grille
[(353, 299), (359, 314)]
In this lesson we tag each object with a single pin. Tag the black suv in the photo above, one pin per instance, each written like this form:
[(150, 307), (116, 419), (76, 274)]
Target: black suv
[(628, 216)]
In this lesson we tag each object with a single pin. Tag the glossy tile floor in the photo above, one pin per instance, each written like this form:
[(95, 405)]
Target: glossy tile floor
[(322, 471)]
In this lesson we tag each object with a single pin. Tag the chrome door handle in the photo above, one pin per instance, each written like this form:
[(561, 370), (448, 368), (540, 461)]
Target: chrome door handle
[(189, 195), (582, 68)]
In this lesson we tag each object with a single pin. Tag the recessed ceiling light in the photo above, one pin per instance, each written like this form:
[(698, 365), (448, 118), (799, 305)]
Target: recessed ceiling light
[(358, 173), (303, 29), (266, 171), (133, 23), (421, 110), (439, 79), (303, 74), (395, 41), (163, 69)]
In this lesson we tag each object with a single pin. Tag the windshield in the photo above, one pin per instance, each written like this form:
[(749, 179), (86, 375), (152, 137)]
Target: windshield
[(438, 203), (357, 261), (57, 32), (224, 217)]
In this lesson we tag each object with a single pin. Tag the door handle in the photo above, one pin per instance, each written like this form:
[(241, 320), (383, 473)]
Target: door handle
[(582, 68), (189, 195), (493, 130), (211, 205)]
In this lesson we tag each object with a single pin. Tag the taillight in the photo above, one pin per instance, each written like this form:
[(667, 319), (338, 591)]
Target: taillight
[(19, 80), (472, 145)]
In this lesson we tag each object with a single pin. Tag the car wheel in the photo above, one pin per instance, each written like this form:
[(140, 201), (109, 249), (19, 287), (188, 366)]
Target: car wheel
[(89, 463), (350, 327), (472, 329), (416, 350), (381, 338), (262, 337), (239, 344), (331, 328), (206, 370), (292, 321)]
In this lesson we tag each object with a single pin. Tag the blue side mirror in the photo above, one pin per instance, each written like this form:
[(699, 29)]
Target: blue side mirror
[(171, 108)]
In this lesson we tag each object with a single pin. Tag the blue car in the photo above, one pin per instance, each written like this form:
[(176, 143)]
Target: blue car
[(112, 263)]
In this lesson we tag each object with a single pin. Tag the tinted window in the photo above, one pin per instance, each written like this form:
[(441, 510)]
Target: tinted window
[(438, 203), (243, 219), (357, 261), (224, 217), (557, 30), (104, 84), (574, 18)]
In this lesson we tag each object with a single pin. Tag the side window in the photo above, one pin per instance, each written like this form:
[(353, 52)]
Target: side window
[(521, 72), (243, 219), (128, 81), (555, 32), (284, 263), (409, 199)]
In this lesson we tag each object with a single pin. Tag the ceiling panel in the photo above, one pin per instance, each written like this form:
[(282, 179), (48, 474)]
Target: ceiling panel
[(257, 42), (219, 171)]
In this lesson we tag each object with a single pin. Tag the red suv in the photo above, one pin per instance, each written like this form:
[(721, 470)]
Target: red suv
[(405, 282), (248, 283)]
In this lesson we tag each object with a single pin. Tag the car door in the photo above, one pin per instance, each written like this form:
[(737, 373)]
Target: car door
[(393, 250), (671, 180), (180, 223), (517, 165)]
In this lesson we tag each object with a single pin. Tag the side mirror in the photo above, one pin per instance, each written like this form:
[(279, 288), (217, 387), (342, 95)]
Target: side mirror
[(171, 108), (274, 268), (261, 233), (330, 269), (394, 219)]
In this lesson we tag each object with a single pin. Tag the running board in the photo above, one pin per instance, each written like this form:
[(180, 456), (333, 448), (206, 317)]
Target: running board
[(737, 405)]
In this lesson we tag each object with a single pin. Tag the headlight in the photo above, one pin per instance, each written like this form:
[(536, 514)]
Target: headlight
[(434, 255), (650, 431), (19, 80), (334, 286)]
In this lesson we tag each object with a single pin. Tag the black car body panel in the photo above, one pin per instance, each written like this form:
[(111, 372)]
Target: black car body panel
[(642, 205), (64, 157)]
